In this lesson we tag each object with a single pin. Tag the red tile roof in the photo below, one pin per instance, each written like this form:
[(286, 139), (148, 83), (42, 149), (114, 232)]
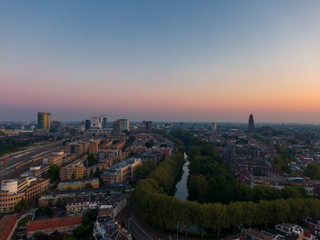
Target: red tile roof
[(39, 225), (6, 225)]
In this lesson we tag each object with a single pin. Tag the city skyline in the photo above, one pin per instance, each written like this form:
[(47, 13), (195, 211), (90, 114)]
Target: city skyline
[(165, 61)]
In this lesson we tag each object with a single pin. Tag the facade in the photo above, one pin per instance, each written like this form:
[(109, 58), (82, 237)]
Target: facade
[(44, 120), (313, 225), (87, 124), (61, 224), (121, 172), (94, 146), (73, 184), (117, 128), (77, 147), (251, 123), (124, 124), (104, 122), (75, 170), (36, 188), (14, 190), (54, 197), (96, 123), (214, 126), (147, 125), (55, 158)]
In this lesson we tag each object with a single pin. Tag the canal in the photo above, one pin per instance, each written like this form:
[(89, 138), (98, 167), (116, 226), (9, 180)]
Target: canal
[(181, 186)]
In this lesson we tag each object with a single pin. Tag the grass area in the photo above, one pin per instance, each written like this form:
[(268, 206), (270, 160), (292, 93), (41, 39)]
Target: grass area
[(24, 221)]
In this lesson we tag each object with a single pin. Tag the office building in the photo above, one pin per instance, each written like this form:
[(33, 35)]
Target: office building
[(104, 122), (147, 125), (214, 126), (251, 123), (56, 124), (116, 128), (124, 124), (44, 120), (14, 190), (87, 124), (96, 123)]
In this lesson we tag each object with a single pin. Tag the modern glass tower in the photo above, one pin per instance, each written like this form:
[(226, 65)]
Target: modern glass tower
[(44, 120)]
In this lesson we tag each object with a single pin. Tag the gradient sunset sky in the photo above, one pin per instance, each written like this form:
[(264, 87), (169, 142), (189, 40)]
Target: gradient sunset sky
[(161, 60)]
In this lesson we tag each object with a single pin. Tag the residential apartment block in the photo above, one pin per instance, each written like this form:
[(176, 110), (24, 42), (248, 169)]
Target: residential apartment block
[(121, 172), (73, 184), (75, 170)]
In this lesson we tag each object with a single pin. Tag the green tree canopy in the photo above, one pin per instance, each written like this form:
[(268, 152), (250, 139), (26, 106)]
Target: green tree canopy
[(312, 171)]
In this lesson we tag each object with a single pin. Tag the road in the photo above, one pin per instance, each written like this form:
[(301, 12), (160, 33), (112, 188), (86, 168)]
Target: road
[(138, 228)]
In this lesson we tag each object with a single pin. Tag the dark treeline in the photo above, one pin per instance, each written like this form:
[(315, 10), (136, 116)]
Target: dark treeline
[(11, 145), (152, 200)]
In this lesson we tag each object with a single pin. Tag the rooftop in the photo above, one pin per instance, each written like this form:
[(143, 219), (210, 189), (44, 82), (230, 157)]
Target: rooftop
[(39, 225)]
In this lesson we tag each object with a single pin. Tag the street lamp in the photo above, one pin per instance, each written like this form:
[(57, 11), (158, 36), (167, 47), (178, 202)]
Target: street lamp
[(177, 230)]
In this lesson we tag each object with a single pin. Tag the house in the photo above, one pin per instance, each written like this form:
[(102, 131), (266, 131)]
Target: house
[(313, 225)]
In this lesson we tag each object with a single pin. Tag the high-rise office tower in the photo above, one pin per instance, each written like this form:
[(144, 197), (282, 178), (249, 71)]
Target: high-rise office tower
[(124, 124), (251, 123), (214, 126), (116, 128), (104, 122), (147, 125), (87, 124), (95, 123), (44, 120)]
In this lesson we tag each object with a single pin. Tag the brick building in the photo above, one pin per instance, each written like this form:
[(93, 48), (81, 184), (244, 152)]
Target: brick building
[(14, 190), (75, 170), (121, 172), (73, 184)]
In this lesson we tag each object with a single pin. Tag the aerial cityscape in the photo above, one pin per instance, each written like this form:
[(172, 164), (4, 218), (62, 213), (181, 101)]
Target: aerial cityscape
[(160, 120)]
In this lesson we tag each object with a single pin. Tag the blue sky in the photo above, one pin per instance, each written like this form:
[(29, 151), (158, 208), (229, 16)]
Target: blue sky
[(160, 60)]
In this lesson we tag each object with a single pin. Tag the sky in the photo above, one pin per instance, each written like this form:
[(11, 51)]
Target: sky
[(161, 60)]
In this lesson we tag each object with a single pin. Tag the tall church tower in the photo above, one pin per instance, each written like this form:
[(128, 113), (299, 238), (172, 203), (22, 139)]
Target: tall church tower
[(251, 123)]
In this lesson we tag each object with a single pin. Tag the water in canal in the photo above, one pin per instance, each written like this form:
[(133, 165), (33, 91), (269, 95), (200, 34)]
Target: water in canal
[(182, 189)]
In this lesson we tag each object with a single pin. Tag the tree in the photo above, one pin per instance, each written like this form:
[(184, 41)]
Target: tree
[(53, 172), (40, 236), (56, 236), (312, 171), (97, 172), (295, 191), (80, 232), (92, 160), (263, 192)]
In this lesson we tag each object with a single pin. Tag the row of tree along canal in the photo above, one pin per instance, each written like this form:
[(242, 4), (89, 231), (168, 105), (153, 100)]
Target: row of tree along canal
[(155, 204)]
